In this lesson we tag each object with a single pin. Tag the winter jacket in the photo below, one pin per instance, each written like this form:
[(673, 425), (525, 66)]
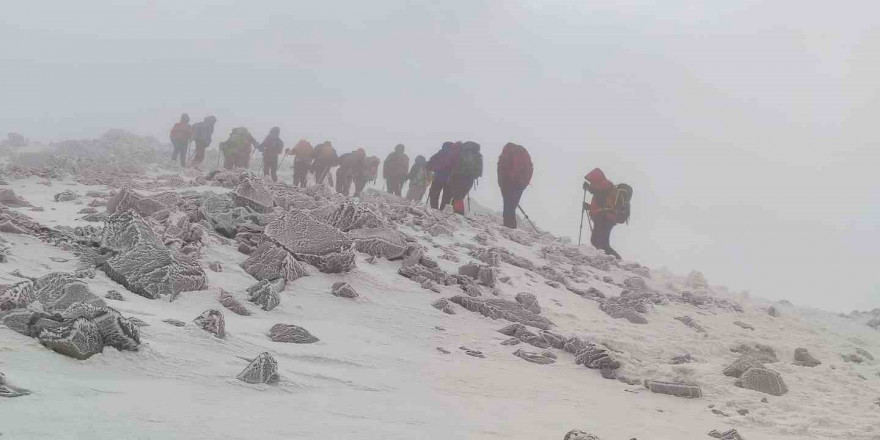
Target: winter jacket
[(272, 146), (303, 151), (418, 175), (396, 165), (601, 188), (444, 161), (515, 167), (203, 131), (182, 133)]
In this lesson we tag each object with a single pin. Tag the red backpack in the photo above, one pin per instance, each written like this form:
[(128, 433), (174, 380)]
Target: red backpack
[(515, 166)]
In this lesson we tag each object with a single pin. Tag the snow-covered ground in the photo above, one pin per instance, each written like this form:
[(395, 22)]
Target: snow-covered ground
[(377, 371)]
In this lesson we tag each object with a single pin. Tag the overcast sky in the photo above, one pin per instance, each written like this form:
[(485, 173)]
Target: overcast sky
[(747, 128)]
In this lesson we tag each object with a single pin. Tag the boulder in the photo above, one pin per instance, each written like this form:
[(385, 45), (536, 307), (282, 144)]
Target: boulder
[(520, 332), (726, 435), (496, 308), (310, 240), (291, 333), (142, 263), (865, 354), (270, 261), (386, 243), (58, 291), (212, 321), (116, 331), (266, 294), (618, 311), (528, 301), (595, 357), (343, 290), (690, 322), (483, 274), (114, 295), (575, 434), (803, 358), (352, 215), (444, 306), (263, 369), (763, 380), (252, 193), (79, 338), (534, 358), (764, 353), (674, 389), (8, 198), (743, 325), (739, 366), (8, 390), (18, 295), (773, 311), (147, 206), (233, 305)]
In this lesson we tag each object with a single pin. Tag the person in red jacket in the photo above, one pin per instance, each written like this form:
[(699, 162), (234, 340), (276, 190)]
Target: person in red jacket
[(515, 171), (603, 217), (181, 135)]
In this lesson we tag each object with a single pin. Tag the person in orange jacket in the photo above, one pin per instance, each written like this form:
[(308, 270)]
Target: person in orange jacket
[(604, 218), (181, 135)]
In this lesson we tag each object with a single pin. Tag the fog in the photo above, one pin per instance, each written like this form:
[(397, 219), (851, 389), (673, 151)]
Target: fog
[(746, 128)]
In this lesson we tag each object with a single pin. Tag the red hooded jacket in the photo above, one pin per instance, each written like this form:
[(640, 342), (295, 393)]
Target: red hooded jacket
[(600, 188)]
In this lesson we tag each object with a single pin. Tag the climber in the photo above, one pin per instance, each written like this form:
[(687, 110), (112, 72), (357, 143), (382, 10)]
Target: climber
[(464, 174), (603, 218), (325, 159), (418, 177), (272, 147), (202, 133), (237, 149), (441, 164), (302, 154), (181, 136), (367, 172), (395, 170), (349, 164), (514, 175)]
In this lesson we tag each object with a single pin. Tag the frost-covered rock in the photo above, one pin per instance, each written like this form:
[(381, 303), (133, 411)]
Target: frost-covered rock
[(618, 311), (528, 302), (483, 274), (351, 215), (743, 325), (141, 262), (674, 389), (803, 358), (595, 357), (291, 333), (13, 296), (252, 193), (212, 321), (310, 240), (128, 200), (386, 243), (534, 358), (271, 261), (114, 295), (58, 291), (266, 294), (343, 290), (444, 306), (576, 434), (763, 380), (233, 305), (739, 366), (690, 322), (8, 390), (731, 434), (263, 369), (496, 308), (66, 196), (520, 332), (763, 353), (79, 338), (8, 198)]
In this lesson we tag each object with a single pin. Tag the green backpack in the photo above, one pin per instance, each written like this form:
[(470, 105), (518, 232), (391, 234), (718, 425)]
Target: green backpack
[(470, 163)]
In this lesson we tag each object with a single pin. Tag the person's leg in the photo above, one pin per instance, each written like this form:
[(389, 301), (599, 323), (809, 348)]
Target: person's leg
[(434, 195), (176, 151), (419, 193), (601, 237), (199, 157), (398, 187), (448, 192), (272, 165), (184, 149), (339, 180), (228, 161), (508, 211)]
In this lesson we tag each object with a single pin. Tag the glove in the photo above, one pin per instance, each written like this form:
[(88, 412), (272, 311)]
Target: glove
[(586, 206), (586, 186)]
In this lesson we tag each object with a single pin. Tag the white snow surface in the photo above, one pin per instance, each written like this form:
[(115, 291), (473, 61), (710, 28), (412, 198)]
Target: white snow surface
[(377, 372)]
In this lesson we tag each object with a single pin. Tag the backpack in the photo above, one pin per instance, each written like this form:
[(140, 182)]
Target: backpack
[(619, 202), (470, 163), (516, 165)]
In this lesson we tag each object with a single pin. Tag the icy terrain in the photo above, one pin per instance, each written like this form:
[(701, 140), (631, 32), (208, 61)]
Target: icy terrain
[(449, 327)]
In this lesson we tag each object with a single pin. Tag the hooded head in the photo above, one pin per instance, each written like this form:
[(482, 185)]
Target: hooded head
[(184, 118), (360, 153), (420, 159), (446, 146), (471, 145), (210, 120), (302, 143), (598, 180), (275, 132), (399, 148)]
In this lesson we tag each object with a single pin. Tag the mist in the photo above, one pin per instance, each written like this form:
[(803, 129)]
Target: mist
[(746, 129)]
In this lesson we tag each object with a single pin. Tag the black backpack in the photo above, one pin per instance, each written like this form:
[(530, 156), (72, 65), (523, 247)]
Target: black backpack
[(620, 202)]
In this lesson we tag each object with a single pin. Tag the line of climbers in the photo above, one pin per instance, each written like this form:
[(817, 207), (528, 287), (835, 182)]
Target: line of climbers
[(450, 174)]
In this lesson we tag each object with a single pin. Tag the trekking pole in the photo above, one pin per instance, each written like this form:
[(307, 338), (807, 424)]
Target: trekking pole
[(282, 160), (527, 218), (581, 230)]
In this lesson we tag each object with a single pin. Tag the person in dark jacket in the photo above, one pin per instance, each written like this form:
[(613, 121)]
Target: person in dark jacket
[(303, 154), (468, 169), (367, 173), (395, 170), (418, 178), (272, 147), (604, 219), (441, 165), (325, 159), (349, 165), (202, 134), (514, 175), (181, 135)]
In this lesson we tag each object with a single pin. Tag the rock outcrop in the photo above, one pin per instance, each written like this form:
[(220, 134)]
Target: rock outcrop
[(763, 380), (263, 369), (343, 290), (266, 294), (674, 389), (291, 334), (803, 358), (212, 321), (502, 309), (310, 240)]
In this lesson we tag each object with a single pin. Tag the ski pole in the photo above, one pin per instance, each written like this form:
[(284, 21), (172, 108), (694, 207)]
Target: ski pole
[(527, 218), (581, 230)]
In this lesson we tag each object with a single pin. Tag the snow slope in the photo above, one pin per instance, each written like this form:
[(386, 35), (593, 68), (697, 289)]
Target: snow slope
[(377, 373)]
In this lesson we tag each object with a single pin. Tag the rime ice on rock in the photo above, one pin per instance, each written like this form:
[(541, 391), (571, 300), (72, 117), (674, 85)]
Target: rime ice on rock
[(803, 358), (116, 331), (128, 200), (270, 261), (674, 389), (534, 358), (519, 331), (142, 263), (7, 390), (618, 311), (263, 369), (252, 193), (66, 196), (726, 435), (79, 338), (266, 294), (343, 290), (232, 304), (420, 273), (57, 291), (483, 274), (351, 215), (528, 302), (739, 366), (312, 241), (291, 333), (443, 305), (13, 296), (502, 309), (212, 322), (743, 325), (763, 380), (386, 243), (575, 434), (763, 353), (8, 198), (690, 322)]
